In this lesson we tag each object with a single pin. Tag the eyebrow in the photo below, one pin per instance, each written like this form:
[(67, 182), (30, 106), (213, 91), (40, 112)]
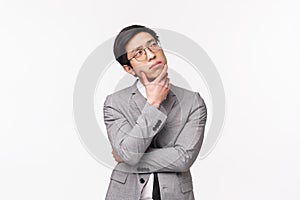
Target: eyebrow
[(139, 47)]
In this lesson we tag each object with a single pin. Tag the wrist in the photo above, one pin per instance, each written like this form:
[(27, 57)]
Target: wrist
[(155, 104)]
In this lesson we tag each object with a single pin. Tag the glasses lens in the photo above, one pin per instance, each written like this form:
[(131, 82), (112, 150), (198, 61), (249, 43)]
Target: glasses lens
[(154, 47), (141, 57)]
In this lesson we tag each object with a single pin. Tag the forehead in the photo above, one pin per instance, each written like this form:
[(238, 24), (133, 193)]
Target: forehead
[(138, 40)]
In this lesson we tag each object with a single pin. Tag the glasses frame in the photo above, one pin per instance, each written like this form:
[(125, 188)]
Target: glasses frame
[(144, 51)]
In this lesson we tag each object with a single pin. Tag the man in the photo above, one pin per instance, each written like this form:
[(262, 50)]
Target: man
[(156, 129)]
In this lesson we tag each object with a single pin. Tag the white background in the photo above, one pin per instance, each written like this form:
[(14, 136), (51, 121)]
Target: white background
[(254, 45)]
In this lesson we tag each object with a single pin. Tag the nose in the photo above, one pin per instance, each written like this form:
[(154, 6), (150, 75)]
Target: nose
[(150, 54)]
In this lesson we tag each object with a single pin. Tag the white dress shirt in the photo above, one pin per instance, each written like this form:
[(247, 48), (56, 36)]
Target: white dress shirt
[(148, 187)]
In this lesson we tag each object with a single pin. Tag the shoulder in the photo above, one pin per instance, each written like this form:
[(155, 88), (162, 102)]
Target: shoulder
[(184, 94), (126, 92), (119, 96), (189, 100)]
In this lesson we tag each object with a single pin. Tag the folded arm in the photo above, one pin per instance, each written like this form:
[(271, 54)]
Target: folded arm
[(182, 155), (130, 142)]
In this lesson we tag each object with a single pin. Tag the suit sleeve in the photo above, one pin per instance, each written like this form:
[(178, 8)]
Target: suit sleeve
[(182, 155), (131, 142)]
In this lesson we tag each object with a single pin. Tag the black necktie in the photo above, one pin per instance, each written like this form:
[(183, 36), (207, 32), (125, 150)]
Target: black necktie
[(156, 192)]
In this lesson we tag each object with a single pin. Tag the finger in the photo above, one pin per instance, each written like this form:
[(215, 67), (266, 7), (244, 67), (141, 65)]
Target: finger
[(162, 82), (144, 78), (165, 76), (167, 83), (162, 74)]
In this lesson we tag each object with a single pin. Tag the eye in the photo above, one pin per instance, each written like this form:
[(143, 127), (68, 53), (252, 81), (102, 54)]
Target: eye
[(154, 46), (138, 53)]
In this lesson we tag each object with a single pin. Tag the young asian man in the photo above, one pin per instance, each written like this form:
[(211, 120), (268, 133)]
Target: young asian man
[(155, 128)]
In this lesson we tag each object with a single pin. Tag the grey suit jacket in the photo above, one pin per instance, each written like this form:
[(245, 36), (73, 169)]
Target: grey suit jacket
[(165, 140)]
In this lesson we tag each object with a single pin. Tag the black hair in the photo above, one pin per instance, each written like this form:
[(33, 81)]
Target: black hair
[(123, 38)]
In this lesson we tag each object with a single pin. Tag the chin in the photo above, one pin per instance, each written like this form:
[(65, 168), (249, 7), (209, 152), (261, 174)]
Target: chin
[(155, 75)]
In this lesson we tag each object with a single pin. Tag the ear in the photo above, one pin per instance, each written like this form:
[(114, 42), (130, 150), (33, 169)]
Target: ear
[(129, 70)]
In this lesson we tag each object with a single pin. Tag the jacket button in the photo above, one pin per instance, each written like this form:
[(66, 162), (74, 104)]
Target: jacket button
[(142, 180)]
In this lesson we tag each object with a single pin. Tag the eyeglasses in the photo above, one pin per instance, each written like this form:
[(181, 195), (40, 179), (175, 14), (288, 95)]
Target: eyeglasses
[(140, 54)]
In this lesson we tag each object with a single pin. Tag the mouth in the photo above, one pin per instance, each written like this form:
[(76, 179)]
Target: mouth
[(156, 64)]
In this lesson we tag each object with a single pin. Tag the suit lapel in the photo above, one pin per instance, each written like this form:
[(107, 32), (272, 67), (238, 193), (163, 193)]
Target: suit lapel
[(137, 101), (168, 104)]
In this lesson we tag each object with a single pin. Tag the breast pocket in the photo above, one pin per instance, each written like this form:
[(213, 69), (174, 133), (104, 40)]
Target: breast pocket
[(117, 188)]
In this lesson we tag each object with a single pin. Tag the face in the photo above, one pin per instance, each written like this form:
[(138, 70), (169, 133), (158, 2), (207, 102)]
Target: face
[(154, 61)]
